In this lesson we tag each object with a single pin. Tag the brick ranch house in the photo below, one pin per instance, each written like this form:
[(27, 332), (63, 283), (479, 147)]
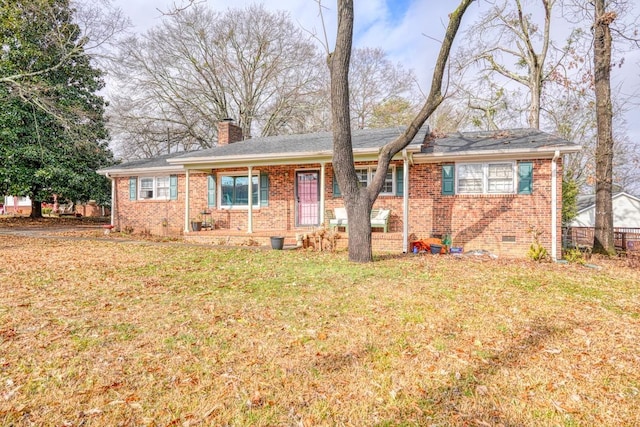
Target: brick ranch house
[(485, 189)]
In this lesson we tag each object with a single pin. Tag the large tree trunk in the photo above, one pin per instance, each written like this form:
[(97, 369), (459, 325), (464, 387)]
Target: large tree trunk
[(36, 208), (359, 201), (603, 241)]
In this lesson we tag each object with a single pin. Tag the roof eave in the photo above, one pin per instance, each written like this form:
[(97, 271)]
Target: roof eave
[(140, 170), (367, 154), (523, 153)]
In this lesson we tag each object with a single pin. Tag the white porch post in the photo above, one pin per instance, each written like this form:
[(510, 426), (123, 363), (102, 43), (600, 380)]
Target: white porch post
[(113, 200), (554, 205), (250, 211), (405, 202), (186, 202), (322, 190)]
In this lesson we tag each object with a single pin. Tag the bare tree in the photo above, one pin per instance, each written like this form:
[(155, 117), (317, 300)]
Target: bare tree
[(199, 66), (392, 112), (359, 200), (373, 80), (449, 117), (509, 43)]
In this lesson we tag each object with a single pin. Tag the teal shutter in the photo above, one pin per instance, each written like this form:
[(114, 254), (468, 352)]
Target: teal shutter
[(399, 181), (336, 187), (525, 178), (264, 189), (173, 187), (448, 180), (133, 188), (211, 191)]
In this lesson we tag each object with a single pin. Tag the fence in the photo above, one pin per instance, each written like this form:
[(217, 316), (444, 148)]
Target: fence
[(625, 239)]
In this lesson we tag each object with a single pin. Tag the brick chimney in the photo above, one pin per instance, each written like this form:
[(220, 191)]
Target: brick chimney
[(228, 132)]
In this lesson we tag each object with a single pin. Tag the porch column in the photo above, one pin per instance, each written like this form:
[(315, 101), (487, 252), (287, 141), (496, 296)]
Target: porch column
[(554, 205), (322, 190), (113, 200), (186, 202), (250, 211), (405, 202)]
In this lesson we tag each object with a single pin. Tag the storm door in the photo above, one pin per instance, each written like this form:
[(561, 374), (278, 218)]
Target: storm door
[(307, 198)]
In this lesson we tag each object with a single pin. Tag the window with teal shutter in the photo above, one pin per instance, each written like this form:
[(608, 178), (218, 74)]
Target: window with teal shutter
[(525, 178), (133, 188), (211, 191), (336, 187), (399, 181), (264, 189), (173, 187), (448, 180)]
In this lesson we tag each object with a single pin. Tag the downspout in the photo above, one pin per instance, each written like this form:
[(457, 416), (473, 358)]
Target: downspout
[(405, 202), (322, 190), (250, 211), (186, 201), (554, 205)]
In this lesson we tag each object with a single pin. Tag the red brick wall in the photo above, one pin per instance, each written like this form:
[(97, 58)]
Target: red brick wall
[(484, 221), (475, 222), (158, 217)]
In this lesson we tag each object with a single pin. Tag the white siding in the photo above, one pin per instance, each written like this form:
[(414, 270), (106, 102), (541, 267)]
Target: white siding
[(626, 213)]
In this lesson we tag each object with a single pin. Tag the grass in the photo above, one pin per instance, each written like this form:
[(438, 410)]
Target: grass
[(100, 333)]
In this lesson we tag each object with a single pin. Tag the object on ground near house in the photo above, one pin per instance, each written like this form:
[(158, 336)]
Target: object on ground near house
[(436, 249), (277, 242), (424, 245), (207, 219)]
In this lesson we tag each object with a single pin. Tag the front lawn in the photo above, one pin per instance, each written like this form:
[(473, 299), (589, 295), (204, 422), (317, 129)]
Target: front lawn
[(102, 333)]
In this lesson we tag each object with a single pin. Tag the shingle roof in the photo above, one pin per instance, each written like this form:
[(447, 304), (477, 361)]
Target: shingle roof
[(154, 162), (312, 142), (370, 140), (509, 139)]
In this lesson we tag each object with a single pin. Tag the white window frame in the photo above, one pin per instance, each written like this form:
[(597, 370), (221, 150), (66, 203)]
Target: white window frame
[(221, 202), (371, 171), (485, 177), (155, 181)]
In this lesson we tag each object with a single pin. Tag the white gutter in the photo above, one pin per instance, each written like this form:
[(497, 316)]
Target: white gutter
[(142, 171), (186, 202), (250, 211), (405, 202), (554, 205), (504, 153)]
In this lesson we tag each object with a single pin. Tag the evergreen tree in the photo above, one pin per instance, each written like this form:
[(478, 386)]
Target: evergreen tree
[(52, 129)]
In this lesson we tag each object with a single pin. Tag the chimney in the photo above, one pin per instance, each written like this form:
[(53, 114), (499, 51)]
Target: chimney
[(228, 132)]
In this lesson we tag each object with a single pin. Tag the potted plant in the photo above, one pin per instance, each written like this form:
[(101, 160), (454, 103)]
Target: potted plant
[(196, 224)]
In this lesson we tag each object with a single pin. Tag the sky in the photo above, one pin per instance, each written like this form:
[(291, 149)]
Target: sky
[(408, 30)]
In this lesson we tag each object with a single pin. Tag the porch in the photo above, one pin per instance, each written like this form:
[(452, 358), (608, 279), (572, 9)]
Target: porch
[(381, 242)]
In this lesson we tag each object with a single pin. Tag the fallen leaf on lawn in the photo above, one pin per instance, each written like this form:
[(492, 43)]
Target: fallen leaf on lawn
[(482, 390)]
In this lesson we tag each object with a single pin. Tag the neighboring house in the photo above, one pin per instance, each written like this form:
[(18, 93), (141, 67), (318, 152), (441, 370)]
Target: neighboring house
[(16, 205), (485, 189), (626, 211)]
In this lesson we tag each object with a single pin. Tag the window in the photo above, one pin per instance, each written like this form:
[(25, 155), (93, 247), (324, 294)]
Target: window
[(470, 178), (485, 178), (153, 187), (365, 176), (234, 191)]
